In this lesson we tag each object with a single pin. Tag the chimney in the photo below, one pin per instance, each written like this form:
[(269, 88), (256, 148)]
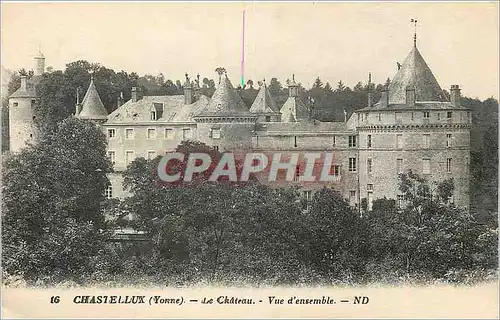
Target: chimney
[(136, 94), (188, 91), (120, 100), (24, 83), (384, 98), (455, 95), (410, 96)]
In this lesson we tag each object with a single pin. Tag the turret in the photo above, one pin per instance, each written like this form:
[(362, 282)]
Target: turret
[(39, 64)]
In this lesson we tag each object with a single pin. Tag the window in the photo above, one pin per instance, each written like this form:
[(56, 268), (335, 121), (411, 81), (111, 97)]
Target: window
[(449, 114), (169, 134), (112, 156), (426, 141), (448, 165), (379, 117), (352, 141), (268, 118), (108, 193), (295, 141), (15, 104), (33, 102), (426, 114), (297, 173), (335, 170), (352, 197), (448, 140), (399, 166), (468, 116), (186, 134), (369, 141), (439, 115), (129, 157), (399, 141), (129, 134), (426, 166), (369, 187), (334, 140), (111, 133), (151, 154), (215, 133), (369, 165), (216, 148), (352, 164), (366, 116), (154, 115), (151, 133), (400, 201), (412, 116)]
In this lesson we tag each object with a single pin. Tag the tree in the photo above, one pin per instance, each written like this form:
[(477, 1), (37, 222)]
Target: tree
[(340, 86), (52, 203)]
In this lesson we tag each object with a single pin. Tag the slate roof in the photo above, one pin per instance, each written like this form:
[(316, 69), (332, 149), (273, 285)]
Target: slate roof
[(225, 101), (30, 90), (174, 110), (294, 110), (416, 73), (92, 106), (264, 102)]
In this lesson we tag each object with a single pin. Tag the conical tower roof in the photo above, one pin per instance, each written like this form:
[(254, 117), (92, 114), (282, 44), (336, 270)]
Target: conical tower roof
[(415, 73), (225, 101), (92, 107), (294, 110), (264, 102)]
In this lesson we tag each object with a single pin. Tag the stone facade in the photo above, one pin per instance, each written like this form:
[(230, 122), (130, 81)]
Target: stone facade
[(413, 126)]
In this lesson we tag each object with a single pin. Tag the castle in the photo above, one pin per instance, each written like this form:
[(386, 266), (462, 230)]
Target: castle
[(412, 126)]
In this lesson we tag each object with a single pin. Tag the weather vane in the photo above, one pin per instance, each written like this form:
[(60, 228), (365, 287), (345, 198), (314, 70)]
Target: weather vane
[(414, 21)]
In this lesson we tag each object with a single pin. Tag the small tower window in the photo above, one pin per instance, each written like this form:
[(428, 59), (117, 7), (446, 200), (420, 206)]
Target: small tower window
[(215, 132), (109, 192)]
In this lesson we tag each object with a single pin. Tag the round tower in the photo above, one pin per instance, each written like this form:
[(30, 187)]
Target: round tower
[(39, 64), (22, 128), (226, 123)]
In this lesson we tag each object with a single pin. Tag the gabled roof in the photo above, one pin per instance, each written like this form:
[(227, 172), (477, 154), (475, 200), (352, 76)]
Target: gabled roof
[(92, 107), (174, 110), (30, 90), (264, 102), (294, 110), (415, 73), (225, 101)]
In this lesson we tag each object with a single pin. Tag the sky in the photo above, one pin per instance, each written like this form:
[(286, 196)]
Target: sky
[(334, 41)]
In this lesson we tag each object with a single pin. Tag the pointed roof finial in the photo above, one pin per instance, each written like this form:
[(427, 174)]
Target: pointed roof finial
[(414, 21), (293, 77), (369, 78)]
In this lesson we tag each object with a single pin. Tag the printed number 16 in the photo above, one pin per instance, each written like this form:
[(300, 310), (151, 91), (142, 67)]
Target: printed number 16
[(55, 299)]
